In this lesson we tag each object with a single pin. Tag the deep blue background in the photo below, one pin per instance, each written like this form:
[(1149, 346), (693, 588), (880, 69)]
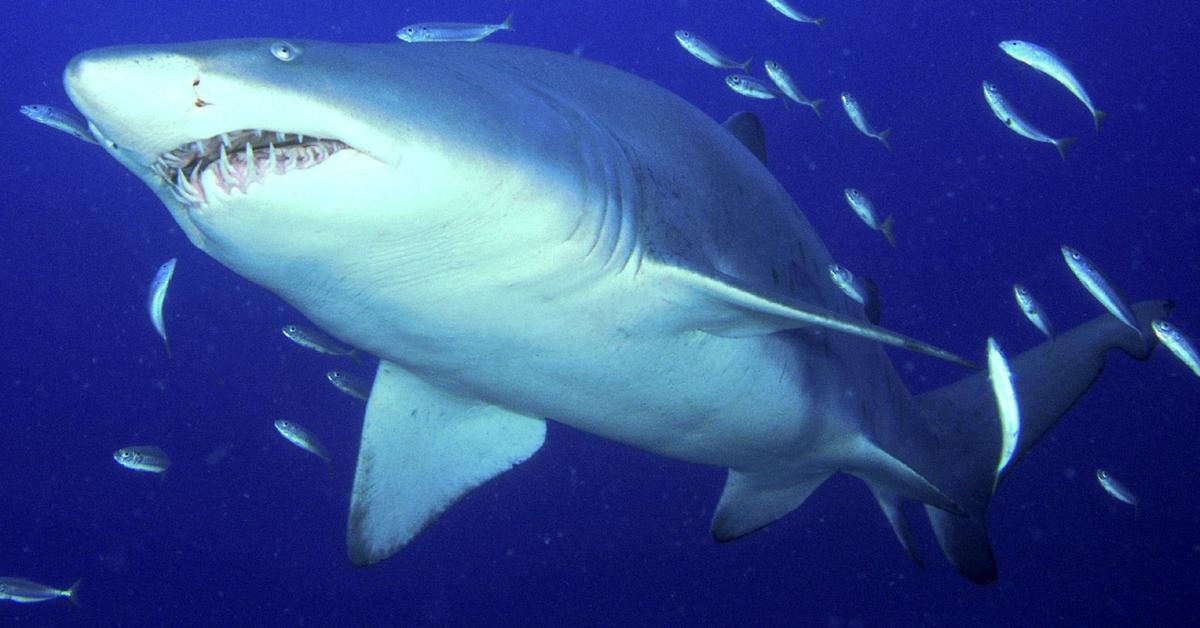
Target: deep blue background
[(588, 532)]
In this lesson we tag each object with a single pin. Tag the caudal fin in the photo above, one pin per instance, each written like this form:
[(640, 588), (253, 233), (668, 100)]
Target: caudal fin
[(1062, 145), (961, 436), (507, 24), (886, 229), (883, 136), (816, 107), (1098, 116), (72, 592)]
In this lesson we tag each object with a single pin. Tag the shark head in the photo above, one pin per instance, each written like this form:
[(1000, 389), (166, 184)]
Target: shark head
[(315, 168)]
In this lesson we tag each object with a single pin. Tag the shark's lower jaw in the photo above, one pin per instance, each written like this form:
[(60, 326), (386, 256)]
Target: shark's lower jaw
[(237, 160)]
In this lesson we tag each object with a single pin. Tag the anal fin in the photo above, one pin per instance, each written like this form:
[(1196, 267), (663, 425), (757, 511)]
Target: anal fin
[(889, 503), (422, 450), (751, 501)]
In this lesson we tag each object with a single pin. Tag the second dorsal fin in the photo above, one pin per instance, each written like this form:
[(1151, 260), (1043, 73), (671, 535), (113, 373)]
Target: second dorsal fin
[(749, 131)]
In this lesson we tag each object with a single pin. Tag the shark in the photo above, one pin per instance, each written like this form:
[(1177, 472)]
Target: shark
[(520, 236)]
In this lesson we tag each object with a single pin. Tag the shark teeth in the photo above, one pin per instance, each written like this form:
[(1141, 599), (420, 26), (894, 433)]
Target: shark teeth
[(241, 158)]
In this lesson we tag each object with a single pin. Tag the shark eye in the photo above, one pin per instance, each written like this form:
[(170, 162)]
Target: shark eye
[(284, 51)]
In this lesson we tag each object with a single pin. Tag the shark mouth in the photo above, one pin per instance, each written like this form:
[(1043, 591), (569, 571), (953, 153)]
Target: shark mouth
[(239, 159)]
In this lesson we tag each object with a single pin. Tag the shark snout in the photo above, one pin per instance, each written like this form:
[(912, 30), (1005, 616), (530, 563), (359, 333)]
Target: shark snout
[(134, 94)]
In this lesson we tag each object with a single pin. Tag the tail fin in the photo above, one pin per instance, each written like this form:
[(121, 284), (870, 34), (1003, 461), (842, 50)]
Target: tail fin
[(1062, 145), (883, 136), (745, 65), (964, 436), (506, 25), (72, 591), (1099, 117), (820, 22), (886, 228), (816, 107)]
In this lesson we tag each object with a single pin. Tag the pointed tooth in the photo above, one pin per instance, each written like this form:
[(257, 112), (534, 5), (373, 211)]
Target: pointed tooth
[(225, 158), (280, 137), (225, 140), (301, 138), (251, 171)]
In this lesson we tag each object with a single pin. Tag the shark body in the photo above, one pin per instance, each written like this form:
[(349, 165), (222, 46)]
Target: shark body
[(519, 234)]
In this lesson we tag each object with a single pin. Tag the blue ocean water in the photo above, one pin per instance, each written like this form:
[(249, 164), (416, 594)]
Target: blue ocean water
[(246, 529)]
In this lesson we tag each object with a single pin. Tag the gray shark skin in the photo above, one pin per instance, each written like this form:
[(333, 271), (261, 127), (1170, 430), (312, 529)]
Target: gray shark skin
[(521, 235)]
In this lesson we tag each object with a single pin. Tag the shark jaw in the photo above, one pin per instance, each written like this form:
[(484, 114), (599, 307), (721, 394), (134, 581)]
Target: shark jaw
[(238, 160)]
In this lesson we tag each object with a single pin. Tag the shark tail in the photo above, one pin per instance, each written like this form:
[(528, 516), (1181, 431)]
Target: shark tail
[(955, 434)]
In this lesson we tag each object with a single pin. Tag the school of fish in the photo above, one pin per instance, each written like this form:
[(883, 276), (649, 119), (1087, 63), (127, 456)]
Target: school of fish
[(779, 83)]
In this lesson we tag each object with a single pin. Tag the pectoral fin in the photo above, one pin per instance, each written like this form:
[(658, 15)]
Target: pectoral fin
[(422, 450), (724, 308)]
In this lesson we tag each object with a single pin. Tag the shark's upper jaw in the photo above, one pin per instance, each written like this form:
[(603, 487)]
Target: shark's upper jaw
[(237, 160)]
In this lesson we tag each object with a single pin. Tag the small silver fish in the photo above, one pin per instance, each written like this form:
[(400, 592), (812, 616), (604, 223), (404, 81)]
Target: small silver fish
[(1006, 402), (705, 51), (1013, 120), (450, 31), (749, 86), (1178, 344), (158, 295), (303, 439), (148, 458), (27, 591), (866, 210), (791, 12), (854, 110), (859, 289), (787, 86), (350, 384), (317, 341), (844, 279), (1033, 311), (1115, 488), (1049, 64), (1097, 284), (60, 119)]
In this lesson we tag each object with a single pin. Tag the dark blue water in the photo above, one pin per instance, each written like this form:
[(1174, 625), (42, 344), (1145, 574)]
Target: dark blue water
[(589, 532)]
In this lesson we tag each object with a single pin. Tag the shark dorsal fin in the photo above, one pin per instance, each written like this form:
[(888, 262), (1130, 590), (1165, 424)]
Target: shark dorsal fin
[(749, 131)]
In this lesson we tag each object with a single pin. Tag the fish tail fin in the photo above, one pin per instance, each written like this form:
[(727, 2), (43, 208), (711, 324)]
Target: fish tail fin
[(356, 356), (1098, 116), (745, 65), (1062, 144), (167, 346), (886, 228), (820, 22), (507, 24), (954, 435), (883, 138), (72, 592), (816, 107)]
